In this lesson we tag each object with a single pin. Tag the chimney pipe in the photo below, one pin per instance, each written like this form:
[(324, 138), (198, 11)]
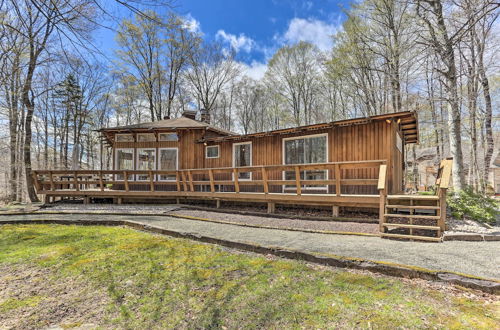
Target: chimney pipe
[(191, 114), (205, 116)]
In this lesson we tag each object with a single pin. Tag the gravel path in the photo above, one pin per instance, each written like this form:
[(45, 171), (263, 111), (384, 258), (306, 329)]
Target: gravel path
[(144, 209), (284, 223), (474, 258)]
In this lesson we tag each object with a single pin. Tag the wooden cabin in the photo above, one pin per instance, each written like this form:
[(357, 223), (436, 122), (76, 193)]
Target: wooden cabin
[(185, 143)]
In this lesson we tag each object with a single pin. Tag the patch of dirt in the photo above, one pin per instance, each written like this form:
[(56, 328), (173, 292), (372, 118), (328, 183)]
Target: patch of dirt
[(32, 298), (343, 226)]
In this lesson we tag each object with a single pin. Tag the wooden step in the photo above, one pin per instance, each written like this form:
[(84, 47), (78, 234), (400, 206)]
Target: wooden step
[(414, 197), (401, 225), (419, 207), (413, 216), (421, 238)]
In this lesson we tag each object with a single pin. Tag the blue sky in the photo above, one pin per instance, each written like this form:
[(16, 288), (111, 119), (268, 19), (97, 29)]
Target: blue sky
[(255, 28)]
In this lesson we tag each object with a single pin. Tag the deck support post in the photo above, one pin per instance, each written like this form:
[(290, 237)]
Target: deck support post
[(271, 207), (217, 203), (86, 200), (178, 200), (119, 200), (335, 211)]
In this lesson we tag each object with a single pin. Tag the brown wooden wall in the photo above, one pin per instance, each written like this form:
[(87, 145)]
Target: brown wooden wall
[(371, 141)]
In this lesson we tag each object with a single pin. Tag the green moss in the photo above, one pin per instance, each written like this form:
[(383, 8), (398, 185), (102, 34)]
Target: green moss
[(12, 303), (161, 282)]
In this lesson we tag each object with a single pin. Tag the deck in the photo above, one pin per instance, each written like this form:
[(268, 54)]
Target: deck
[(400, 216)]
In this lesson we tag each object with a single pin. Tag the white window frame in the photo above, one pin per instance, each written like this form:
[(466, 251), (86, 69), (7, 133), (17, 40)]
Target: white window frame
[(115, 165), (304, 187), (213, 146), (251, 158), (139, 134), (175, 133), (124, 134), (137, 161), (176, 162)]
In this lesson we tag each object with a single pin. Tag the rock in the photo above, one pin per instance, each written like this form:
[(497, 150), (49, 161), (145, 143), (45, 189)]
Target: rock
[(463, 237)]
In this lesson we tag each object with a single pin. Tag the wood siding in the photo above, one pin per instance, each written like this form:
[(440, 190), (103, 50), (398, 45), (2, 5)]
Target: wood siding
[(375, 140)]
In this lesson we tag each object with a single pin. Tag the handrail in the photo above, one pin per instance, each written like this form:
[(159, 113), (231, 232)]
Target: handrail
[(382, 177), (254, 168), (445, 168), (188, 179)]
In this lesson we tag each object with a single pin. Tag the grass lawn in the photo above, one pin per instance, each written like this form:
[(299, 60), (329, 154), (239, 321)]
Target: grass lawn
[(121, 278)]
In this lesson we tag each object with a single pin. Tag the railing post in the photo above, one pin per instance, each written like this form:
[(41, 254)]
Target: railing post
[(211, 176), (151, 181), (236, 183), (265, 184), (191, 186), (337, 179), (101, 181), (177, 181), (35, 180), (75, 181), (125, 178), (184, 184), (297, 180), (442, 209), (382, 179), (51, 178)]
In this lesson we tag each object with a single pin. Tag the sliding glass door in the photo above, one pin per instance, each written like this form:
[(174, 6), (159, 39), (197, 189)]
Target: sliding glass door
[(124, 160), (146, 160), (311, 149), (167, 162)]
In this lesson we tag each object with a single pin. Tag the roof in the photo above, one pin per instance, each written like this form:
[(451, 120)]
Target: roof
[(175, 123), (407, 119)]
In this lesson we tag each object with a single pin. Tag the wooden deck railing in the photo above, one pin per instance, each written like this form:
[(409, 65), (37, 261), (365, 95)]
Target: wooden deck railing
[(359, 173)]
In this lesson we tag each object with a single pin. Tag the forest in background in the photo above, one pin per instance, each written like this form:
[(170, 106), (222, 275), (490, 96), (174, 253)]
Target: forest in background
[(436, 57)]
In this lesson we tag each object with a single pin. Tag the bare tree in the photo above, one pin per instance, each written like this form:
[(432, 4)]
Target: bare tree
[(211, 68)]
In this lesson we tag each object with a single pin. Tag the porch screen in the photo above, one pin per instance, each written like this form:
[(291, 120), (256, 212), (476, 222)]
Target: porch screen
[(306, 150), (124, 161), (146, 159), (243, 157), (168, 162)]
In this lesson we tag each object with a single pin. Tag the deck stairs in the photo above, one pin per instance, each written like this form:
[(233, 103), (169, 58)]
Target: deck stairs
[(416, 217), (412, 217)]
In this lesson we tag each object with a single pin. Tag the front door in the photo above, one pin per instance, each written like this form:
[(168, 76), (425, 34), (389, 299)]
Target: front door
[(242, 156)]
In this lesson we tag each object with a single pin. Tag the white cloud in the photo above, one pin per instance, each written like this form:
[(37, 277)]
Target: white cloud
[(192, 24), (241, 42), (314, 31), (255, 70)]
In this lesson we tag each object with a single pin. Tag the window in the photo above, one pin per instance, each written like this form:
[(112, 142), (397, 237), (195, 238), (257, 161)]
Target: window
[(306, 150), (124, 138), (242, 156), (149, 137), (168, 137), (167, 162), (124, 160), (212, 152), (146, 160)]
